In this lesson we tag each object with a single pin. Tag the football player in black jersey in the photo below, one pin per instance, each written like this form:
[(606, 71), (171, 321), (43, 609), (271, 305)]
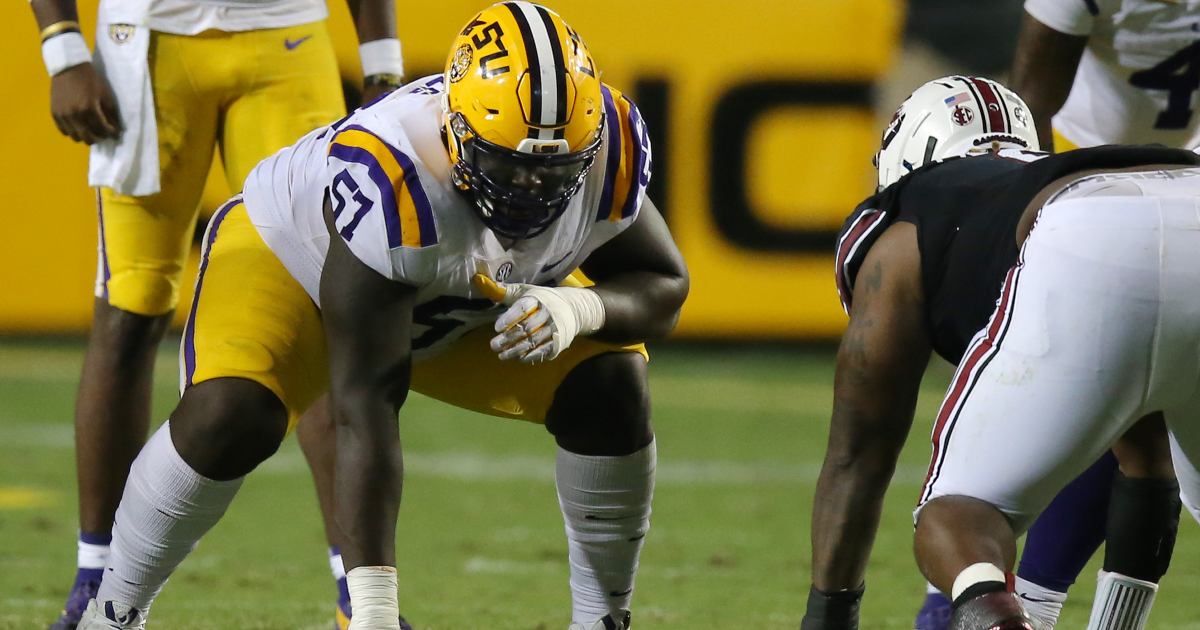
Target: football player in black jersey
[(1056, 361)]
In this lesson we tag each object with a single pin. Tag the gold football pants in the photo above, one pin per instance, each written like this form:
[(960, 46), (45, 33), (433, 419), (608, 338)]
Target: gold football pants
[(250, 93), (251, 319)]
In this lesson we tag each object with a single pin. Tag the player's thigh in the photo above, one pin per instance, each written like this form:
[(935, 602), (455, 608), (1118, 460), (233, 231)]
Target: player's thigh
[(251, 319), (145, 241), (1058, 374), (469, 375), (296, 88)]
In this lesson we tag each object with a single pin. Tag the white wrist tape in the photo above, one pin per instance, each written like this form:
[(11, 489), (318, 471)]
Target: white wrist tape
[(381, 56), (974, 574), (65, 51), (588, 307), (373, 598)]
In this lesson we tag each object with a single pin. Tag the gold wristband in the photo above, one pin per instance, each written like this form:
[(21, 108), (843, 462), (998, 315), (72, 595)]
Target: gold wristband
[(58, 27)]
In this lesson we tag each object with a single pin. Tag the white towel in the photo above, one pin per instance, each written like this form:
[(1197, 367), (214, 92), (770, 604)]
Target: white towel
[(128, 165)]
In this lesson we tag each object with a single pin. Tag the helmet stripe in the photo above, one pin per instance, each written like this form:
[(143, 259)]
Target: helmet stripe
[(992, 106), (983, 117), (544, 92), (560, 74)]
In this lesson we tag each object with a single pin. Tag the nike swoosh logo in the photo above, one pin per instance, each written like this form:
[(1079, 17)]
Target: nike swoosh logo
[(1036, 601), (293, 45), (555, 263)]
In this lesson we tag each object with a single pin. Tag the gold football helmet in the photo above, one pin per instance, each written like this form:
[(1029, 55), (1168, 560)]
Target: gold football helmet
[(524, 116)]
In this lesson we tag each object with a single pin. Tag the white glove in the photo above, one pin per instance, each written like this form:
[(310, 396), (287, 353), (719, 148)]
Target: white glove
[(374, 603), (541, 321)]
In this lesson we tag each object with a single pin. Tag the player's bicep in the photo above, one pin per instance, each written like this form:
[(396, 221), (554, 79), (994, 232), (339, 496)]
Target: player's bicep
[(886, 346), (646, 245), (368, 322)]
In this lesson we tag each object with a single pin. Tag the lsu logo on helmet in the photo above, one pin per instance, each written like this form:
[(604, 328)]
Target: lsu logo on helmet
[(524, 115)]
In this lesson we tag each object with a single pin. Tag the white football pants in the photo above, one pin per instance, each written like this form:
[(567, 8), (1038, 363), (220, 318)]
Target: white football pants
[(1097, 325)]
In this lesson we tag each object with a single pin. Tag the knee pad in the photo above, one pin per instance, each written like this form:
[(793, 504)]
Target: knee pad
[(150, 292)]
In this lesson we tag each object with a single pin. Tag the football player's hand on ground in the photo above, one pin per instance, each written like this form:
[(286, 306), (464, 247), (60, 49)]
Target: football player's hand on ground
[(83, 106), (541, 322)]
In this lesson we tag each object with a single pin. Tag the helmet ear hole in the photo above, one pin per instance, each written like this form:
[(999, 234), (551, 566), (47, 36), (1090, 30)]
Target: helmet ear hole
[(930, 146)]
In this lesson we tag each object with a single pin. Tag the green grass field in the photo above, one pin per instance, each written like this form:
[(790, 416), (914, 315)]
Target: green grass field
[(481, 545)]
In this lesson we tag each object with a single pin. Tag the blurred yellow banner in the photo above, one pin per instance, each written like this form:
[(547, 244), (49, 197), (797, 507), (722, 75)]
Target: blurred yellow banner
[(760, 113)]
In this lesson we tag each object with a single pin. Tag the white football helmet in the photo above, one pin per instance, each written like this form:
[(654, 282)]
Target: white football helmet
[(952, 116)]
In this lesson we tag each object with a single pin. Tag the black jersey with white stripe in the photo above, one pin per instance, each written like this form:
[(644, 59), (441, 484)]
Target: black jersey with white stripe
[(966, 212)]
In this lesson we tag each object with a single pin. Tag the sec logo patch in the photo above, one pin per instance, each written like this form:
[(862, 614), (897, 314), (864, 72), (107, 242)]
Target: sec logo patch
[(504, 271), (962, 116)]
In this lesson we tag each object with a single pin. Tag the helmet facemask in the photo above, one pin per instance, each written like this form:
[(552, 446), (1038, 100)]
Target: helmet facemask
[(517, 195)]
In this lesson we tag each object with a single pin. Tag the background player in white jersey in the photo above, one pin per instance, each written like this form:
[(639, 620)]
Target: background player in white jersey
[(427, 243), (172, 81), (1110, 71)]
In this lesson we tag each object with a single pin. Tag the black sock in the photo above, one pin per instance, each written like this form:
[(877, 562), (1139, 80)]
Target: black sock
[(1143, 518)]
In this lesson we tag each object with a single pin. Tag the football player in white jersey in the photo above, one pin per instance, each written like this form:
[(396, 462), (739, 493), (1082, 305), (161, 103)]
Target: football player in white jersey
[(251, 77), (1110, 71), (428, 242)]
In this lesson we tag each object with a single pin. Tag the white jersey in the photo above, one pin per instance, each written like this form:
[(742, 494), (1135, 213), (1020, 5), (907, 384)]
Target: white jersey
[(1139, 74), (191, 17), (388, 176)]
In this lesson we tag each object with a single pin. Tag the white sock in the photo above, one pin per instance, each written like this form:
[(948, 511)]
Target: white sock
[(615, 493), (1121, 603), (164, 511), (1044, 604), (91, 556), (335, 564), (930, 589)]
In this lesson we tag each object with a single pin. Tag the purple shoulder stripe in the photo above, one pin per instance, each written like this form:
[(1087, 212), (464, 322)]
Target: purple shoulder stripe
[(389, 189), (612, 122), (641, 148)]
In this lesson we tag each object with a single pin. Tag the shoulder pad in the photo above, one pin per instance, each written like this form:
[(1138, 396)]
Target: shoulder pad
[(628, 164), (859, 233), (407, 214)]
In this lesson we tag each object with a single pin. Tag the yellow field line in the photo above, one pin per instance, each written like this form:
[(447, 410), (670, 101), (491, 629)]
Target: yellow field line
[(15, 498)]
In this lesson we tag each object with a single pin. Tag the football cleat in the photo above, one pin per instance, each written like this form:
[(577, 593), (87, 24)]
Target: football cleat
[(87, 583), (949, 117), (935, 613), (607, 623), (993, 611), (341, 616), (524, 116), (111, 616)]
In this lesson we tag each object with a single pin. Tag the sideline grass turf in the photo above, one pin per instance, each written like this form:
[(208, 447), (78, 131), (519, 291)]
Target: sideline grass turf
[(741, 437)]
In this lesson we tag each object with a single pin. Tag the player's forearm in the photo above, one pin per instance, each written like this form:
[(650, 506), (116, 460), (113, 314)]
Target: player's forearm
[(373, 19), (50, 12), (368, 479), (846, 513), (1043, 70), (639, 306)]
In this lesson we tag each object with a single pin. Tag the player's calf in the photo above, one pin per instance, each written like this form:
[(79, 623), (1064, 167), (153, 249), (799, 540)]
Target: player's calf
[(605, 479), (179, 487)]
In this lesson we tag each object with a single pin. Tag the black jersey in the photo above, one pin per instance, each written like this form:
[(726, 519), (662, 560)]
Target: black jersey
[(966, 212)]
